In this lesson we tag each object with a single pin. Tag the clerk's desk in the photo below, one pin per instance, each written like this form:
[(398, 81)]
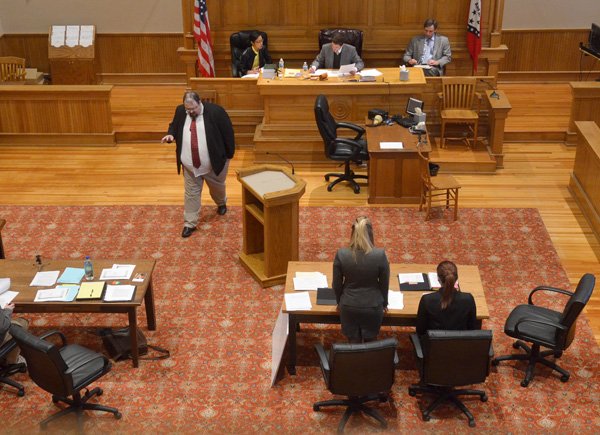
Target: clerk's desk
[(288, 126), (468, 277), (394, 173)]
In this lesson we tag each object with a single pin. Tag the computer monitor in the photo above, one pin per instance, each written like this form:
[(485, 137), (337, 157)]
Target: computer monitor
[(594, 39), (412, 104)]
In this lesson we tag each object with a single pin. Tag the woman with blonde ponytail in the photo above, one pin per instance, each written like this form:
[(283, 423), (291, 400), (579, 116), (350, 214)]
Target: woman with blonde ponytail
[(448, 308), (361, 275)]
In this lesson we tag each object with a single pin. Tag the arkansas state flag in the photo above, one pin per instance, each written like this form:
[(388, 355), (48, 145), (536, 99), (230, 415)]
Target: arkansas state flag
[(474, 32)]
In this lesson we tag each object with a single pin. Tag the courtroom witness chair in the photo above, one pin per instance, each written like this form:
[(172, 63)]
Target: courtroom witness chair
[(12, 69), (63, 371), (10, 369), (340, 148), (449, 359), (442, 188), (351, 36), (238, 42), (208, 96), (2, 223), (457, 98), (362, 372), (545, 327)]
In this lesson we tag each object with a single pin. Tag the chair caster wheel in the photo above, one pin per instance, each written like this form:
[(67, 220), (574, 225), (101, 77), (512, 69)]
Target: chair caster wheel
[(316, 408), (54, 399), (472, 423), (426, 417), (412, 392), (495, 362), (515, 345), (564, 378), (21, 393), (118, 415), (357, 190), (329, 188), (524, 383), (23, 369), (100, 392), (383, 398), (484, 398)]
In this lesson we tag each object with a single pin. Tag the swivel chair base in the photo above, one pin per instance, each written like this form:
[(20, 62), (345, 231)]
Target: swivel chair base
[(445, 394), (348, 176), (78, 404), (10, 370), (534, 356), (355, 405)]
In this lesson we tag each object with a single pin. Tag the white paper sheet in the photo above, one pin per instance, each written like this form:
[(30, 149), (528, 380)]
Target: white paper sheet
[(298, 301), (391, 145), (309, 280), (395, 300), (45, 279), (4, 285), (119, 293), (370, 73), (7, 297), (118, 271), (433, 280), (410, 277), (423, 66), (346, 70)]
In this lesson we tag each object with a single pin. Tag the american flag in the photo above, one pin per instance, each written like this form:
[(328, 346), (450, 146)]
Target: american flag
[(474, 32), (206, 61)]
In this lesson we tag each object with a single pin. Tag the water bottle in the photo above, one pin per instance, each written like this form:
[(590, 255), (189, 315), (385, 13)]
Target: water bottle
[(305, 69), (88, 268), (280, 69)]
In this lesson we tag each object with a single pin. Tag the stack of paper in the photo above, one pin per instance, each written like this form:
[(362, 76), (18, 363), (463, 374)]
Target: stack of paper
[(309, 280), (45, 279), (298, 301), (6, 296), (119, 293), (118, 271), (395, 300), (61, 293)]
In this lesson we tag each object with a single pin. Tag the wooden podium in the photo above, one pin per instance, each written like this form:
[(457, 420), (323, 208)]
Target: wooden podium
[(270, 197), (72, 63)]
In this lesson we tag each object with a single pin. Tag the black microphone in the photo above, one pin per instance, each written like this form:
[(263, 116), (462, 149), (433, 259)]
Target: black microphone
[(494, 94), (284, 159)]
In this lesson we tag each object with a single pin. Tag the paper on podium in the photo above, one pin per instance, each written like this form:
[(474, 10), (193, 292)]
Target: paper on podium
[(297, 301), (395, 300)]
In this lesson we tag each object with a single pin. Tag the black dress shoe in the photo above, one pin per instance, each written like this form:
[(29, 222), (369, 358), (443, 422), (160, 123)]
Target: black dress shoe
[(187, 231), (222, 209)]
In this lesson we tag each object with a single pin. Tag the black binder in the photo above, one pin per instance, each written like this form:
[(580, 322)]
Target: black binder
[(326, 296), (419, 286)]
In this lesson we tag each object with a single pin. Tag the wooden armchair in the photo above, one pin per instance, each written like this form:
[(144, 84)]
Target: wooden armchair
[(12, 68), (444, 188), (457, 97)]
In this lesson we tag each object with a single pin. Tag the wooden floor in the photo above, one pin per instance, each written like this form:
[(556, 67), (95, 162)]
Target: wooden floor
[(536, 173)]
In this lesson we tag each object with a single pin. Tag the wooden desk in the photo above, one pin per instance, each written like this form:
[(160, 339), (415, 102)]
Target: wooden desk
[(21, 272), (288, 126), (469, 279), (394, 174)]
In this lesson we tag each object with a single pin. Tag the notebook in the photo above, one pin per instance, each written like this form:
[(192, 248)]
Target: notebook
[(420, 284), (326, 296)]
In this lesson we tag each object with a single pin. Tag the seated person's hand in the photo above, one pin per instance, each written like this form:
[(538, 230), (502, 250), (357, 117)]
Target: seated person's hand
[(412, 62), (433, 62), (168, 138), (354, 71), (10, 307), (254, 71), (312, 69)]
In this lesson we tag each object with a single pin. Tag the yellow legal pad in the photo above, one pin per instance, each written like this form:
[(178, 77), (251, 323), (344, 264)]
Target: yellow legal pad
[(91, 290)]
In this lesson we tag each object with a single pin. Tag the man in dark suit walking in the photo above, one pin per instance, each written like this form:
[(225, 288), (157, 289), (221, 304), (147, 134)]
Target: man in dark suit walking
[(205, 143)]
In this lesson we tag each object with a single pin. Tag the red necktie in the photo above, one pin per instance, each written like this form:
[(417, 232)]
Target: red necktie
[(194, 142)]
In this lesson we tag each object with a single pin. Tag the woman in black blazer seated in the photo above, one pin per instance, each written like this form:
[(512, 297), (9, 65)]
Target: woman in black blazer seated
[(361, 275), (255, 56), (448, 308)]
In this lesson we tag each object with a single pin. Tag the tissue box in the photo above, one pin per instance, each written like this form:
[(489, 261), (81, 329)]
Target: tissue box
[(404, 75)]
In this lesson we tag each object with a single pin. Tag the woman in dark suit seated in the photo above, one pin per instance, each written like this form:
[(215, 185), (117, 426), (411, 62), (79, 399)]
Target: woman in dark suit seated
[(361, 275), (448, 308), (255, 56)]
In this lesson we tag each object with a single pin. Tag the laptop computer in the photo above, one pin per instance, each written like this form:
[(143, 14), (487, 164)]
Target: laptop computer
[(326, 296)]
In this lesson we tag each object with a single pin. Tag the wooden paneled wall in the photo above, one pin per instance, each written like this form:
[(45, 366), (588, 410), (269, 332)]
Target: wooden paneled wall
[(547, 54), (56, 115)]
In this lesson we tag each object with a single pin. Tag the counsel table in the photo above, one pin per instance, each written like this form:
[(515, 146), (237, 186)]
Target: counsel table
[(21, 272), (469, 279)]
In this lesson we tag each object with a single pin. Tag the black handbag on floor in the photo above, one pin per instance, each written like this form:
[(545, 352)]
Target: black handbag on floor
[(118, 344)]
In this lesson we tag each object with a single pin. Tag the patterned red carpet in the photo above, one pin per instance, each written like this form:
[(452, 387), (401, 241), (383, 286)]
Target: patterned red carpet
[(217, 322)]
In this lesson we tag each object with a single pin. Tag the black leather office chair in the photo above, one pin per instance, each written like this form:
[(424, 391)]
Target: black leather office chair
[(362, 372), (238, 42), (449, 359), (544, 327), (339, 148), (63, 371), (8, 370), (2, 223), (351, 36)]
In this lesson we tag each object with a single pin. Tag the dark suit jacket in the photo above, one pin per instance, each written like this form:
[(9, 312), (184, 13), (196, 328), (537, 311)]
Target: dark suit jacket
[(458, 316), (348, 56), (220, 139), (364, 282), (248, 59)]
